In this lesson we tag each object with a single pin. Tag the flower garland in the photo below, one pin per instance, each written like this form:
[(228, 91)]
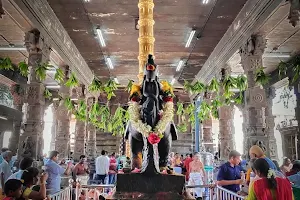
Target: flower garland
[(145, 129)]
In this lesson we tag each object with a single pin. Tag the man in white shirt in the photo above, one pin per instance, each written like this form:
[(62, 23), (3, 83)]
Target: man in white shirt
[(102, 167), (5, 167)]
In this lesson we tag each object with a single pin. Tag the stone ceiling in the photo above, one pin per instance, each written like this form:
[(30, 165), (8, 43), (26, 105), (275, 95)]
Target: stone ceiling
[(174, 20)]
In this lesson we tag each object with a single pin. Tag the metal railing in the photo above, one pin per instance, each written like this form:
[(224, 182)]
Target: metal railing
[(65, 194), (214, 192)]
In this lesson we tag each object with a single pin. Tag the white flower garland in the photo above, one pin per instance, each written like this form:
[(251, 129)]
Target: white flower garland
[(145, 129)]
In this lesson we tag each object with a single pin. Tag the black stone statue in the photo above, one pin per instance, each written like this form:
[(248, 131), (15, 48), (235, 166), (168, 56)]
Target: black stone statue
[(142, 152)]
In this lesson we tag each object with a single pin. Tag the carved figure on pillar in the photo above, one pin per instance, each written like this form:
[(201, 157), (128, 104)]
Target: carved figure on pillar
[(34, 95), (294, 14), (255, 96), (91, 133)]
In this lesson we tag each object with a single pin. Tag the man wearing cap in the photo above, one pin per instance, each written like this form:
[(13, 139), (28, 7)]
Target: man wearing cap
[(229, 175)]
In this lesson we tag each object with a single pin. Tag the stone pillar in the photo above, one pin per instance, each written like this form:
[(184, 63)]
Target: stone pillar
[(255, 96), (62, 137), (91, 133), (297, 116), (226, 128), (270, 123), (33, 122), (18, 94), (207, 140), (54, 124), (79, 130)]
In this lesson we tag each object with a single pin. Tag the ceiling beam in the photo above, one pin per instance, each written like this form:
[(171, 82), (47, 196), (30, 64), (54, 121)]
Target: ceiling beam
[(252, 16), (44, 19)]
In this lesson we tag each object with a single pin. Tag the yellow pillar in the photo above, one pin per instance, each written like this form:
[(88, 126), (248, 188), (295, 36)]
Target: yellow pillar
[(146, 35)]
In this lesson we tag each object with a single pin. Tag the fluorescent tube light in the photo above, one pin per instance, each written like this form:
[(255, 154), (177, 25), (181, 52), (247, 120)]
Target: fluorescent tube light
[(110, 65), (173, 81), (55, 99), (4, 118), (86, 0), (205, 1), (116, 80), (188, 43), (13, 48), (100, 36), (180, 64), (276, 55), (74, 99), (53, 86)]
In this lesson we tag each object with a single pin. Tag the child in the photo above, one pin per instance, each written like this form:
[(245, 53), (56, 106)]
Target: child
[(13, 189)]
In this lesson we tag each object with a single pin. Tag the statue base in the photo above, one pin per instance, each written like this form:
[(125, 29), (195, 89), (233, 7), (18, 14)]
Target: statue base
[(141, 186)]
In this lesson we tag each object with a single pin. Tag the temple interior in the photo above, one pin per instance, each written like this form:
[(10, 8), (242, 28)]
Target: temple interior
[(72, 72)]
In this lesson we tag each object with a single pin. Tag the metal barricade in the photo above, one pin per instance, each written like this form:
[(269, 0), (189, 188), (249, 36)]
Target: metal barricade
[(92, 192), (214, 192), (65, 194)]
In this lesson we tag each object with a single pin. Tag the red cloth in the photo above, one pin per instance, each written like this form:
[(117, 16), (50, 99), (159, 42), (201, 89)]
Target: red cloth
[(112, 165), (186, 164), (283, 189)]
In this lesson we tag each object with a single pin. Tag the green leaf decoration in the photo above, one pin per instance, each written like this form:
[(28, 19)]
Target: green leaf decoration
[(190, 111), (204, 112), (214, 85), (72, 81), (81, 112), (47, 94), (180, 109), (119, 121), (187, 86), (239, 99), (296, 70), (216, 103), (59, 75), (94, 112), (227, 101), (6, 64), (182, 128), (198, 87), (241, 82), (215, 113), (69, 104), (23, 68), (282, 68), (228, 94), (40, 71), (129, 86), (260, 77), (228, 83), (96, 85), (110, 87)]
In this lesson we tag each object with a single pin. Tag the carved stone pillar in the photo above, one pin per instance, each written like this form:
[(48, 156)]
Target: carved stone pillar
[(294, 14), (54, 124), (207, 140), (226, 128), (79, 129), (297, 116), (270, 123), (62, 137), (33, 122), (255, 96), (18, 94), (91, 133)]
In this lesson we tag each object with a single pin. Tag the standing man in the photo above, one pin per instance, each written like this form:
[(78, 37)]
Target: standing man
[(5, 169), (229, 175), (54, 172), (102, 167), (81, 170)]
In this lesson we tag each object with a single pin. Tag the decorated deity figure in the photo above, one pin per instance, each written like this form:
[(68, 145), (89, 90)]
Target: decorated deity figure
[(150, 129)]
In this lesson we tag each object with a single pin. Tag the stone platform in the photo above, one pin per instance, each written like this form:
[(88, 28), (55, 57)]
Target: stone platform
[(141, 186)]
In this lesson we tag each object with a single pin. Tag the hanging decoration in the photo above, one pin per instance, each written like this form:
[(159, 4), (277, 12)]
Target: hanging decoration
[(23, 68)]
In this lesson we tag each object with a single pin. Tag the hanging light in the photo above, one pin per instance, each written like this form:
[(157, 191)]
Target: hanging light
[(205, 1), (109, 63), (180, 64), (100, 36), (188, 43)]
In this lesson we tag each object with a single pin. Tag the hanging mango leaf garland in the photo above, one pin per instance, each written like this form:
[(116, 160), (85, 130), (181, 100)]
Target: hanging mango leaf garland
[(94, 113), (6, 64), (198, 87), (215, 105), (296, 69), (96, 85), (180, 109), (282, 68), (214, 85), (104, 117), (47, 94), (40, 71), (204, 112), (260, 76), (59, 75), (118, 126), (80, 113), (241, 83), (72, 81), (187, 86), (23, 68), (239, 99), (110, 88), (182, 128), (69, 104), (129, 86), (190, 111)]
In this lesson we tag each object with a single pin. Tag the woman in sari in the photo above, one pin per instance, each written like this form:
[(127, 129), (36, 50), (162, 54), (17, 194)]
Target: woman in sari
[(267, 187)]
